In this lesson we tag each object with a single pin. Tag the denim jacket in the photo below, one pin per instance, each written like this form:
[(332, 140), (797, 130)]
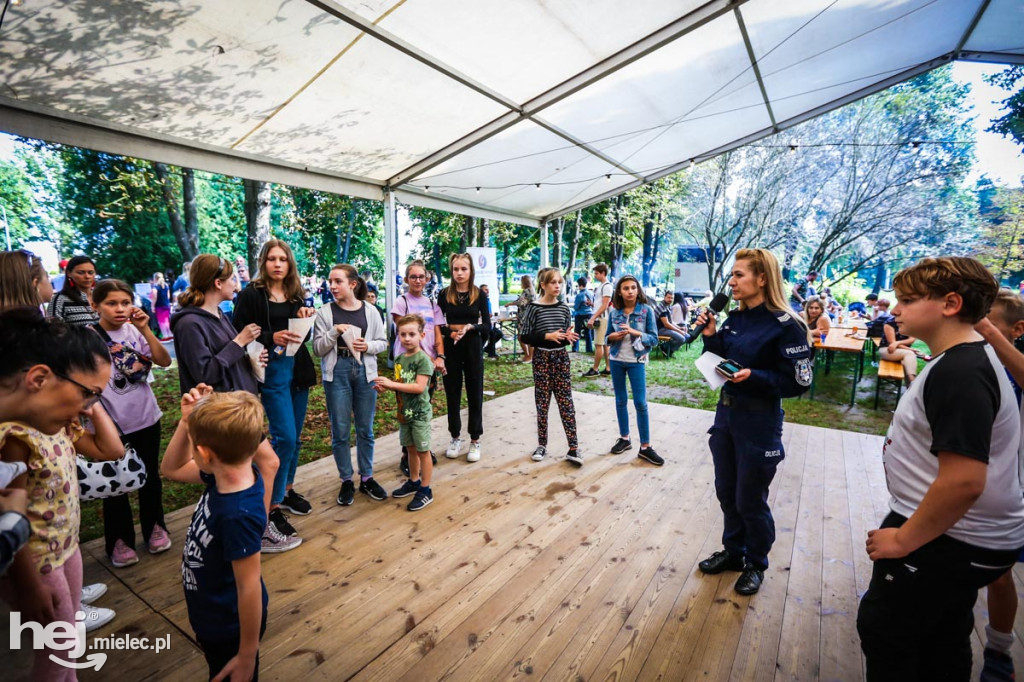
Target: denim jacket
[(642, 318)]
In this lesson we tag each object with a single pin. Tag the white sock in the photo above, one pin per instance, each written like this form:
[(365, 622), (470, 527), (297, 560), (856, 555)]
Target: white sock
[(1000, 641)]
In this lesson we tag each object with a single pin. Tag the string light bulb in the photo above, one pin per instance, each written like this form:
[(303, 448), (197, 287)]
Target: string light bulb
[(608, 177), (478, 190), (915, 147), (538, 186), (426, 189), (792, 149)]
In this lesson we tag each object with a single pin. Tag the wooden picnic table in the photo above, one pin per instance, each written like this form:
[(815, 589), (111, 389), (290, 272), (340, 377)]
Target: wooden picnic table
[(841, 340)]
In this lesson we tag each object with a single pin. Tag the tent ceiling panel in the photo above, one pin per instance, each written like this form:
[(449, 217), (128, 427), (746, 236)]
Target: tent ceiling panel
[(824, 51), (673, 104), (528, 154), (185, 69), (999, 29), (357, 120), (622, 88), (521, 49)]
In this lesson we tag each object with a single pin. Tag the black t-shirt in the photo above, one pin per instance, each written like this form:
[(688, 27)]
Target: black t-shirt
[(279, 314), (355, 318)]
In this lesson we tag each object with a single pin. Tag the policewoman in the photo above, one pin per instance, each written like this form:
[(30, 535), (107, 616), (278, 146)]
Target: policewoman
[(770, 343)]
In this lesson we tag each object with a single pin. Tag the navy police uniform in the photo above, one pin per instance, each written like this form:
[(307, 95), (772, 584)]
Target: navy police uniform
[(746, 439)]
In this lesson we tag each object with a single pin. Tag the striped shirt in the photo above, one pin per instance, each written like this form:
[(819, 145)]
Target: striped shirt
[(71, 311), (537, 319)]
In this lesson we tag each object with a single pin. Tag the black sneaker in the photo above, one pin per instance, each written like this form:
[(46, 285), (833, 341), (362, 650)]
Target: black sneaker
[(404, 464), (721, 561), (280, 521), (591, 373), (423, 497), (348, 492), (373, 490), (621, 445), (651, 456), (575, 457), (750, 580), (408, 488), (606, 372), (539, 454), (296, 503)]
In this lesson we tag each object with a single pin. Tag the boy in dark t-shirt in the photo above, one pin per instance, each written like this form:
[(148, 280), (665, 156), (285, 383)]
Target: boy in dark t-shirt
[(957, 514), (226, 599)]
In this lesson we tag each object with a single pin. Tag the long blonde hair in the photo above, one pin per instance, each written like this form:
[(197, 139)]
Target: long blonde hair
[(452, 294), (763, 262)]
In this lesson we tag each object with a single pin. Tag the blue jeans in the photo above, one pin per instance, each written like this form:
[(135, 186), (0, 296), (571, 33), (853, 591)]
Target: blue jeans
[(286, 411), (347, 396), (585, 332), (637, 373)]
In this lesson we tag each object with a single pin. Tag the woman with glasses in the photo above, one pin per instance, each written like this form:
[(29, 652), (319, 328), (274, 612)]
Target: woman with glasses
[(272, 298), (71, 303), (211, 351), (50, 375)]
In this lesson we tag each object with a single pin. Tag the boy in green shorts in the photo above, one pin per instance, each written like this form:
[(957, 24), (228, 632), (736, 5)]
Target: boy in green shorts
[(413, 370)]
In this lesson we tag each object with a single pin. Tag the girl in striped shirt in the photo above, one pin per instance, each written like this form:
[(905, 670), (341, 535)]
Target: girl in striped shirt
[(546, 324)]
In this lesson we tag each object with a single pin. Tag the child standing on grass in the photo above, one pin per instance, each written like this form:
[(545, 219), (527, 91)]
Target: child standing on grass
[(214, 444), (413, 370), (132, 405), (546, 325)]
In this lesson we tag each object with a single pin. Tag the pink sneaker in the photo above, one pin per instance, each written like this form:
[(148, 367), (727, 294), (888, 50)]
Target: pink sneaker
[(123, 555), (159, 540)]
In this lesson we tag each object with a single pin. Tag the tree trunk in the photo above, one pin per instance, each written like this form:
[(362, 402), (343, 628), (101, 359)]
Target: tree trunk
[(556, 252), (504, 267), (647, 264), (468, 225), (189, 249), (188, 188), (481, 235), (879, 276), (257, 218), (618, 231), (351, 228)]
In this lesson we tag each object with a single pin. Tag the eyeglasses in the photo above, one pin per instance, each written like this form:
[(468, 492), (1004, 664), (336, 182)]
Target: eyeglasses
[(28, 255), (416, 277), (89, 395)]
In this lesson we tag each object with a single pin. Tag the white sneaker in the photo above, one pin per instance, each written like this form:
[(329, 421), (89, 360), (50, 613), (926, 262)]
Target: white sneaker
[(453, 448), (539, 453), (91, 593), (474, 452), (96, 617)]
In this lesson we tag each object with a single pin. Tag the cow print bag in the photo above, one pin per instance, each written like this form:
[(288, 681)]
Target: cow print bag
[(100, 479)]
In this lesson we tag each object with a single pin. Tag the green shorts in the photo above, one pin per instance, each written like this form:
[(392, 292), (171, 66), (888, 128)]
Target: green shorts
[(415, 434)]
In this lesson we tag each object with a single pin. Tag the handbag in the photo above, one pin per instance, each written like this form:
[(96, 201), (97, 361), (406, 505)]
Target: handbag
[(97, 480)]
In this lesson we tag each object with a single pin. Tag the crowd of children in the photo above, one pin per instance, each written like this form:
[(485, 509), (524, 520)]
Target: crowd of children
[(952, 455)]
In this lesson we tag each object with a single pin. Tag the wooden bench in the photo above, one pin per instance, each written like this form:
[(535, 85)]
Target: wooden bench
[(889, 370), (662, 347)]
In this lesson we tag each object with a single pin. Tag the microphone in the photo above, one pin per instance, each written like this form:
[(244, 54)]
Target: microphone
[(716, 306)]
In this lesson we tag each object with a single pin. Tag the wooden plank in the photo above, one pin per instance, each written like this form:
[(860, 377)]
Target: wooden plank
[(758, 648), (523, 569), (840, 645)]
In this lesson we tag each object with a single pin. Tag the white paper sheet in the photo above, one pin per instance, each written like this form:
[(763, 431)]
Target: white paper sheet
[(253, 351), (10, 471), (706, 363), (300, 326), (350, 335)]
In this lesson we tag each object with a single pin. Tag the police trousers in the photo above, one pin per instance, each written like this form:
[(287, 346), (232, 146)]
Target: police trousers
[(746, 448)]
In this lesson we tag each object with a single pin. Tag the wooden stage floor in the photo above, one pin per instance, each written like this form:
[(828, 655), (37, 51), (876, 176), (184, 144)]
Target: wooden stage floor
[(543, 571)]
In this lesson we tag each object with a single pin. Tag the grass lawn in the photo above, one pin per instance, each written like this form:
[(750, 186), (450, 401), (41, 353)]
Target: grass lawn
[(673, 381)]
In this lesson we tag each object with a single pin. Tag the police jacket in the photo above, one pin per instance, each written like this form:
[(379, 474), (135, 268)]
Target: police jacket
[(772, 345)]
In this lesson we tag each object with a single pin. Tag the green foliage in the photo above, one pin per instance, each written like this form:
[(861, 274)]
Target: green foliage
[(1010, 124), (16, 200)]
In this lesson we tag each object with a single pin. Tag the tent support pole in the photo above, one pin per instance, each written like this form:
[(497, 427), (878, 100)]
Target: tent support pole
[(544, 243), (390, 246)]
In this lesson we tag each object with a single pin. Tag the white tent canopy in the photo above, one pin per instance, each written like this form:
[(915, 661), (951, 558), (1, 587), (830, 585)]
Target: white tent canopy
[(521, 110)]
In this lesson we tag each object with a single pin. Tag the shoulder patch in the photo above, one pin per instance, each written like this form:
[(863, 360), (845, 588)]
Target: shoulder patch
[(804, 372), (785, 318)]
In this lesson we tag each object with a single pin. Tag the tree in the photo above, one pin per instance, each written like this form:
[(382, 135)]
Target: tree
[(1002, 235), (16, 202), (1010, 124), (257, 218), (186, 233)]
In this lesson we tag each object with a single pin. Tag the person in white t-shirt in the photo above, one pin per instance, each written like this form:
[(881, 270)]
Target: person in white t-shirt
[(599, 320), (957, 514)]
